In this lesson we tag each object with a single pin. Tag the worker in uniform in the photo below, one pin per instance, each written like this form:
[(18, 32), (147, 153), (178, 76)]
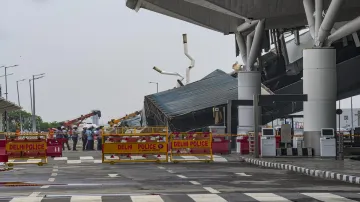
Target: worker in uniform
[(90, 139), (75, 137), (66, 138), (98, 138), (84, 138)]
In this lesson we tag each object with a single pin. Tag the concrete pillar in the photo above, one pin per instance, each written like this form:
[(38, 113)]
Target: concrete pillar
[(319, 83), (249, 84)]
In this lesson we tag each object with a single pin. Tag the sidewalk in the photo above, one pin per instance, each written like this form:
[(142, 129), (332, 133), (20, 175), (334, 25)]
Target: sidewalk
[(347, 170)]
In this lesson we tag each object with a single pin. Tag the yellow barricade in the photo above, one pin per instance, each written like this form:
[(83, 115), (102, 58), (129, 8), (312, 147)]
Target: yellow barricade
[(143, 147), (31, 148), (191, 147)]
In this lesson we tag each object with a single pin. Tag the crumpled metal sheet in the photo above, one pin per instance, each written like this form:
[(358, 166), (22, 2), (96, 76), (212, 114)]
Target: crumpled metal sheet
[(215, 89)]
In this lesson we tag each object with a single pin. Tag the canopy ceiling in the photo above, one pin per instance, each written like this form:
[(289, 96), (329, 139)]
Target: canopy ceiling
[(226, 15)]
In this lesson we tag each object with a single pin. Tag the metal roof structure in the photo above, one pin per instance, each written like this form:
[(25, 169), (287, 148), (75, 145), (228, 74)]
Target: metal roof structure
[(225, 16), (8, 106), (215, 89)]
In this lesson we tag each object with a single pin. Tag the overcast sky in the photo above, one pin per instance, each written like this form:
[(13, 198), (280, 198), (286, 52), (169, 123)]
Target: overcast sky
[(99, 55)]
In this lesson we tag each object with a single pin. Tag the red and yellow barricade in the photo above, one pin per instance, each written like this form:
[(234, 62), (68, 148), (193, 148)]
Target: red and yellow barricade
[(138, 147), (26, 149), (191, 147)]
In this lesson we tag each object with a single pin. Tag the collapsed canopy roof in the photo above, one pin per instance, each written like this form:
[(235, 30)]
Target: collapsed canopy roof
[(8, 106), (213, 90)]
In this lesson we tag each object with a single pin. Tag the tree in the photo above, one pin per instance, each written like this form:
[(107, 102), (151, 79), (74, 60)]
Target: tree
[(14, 121)]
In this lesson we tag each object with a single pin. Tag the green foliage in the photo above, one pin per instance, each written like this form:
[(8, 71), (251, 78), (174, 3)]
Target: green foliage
[(14, 121)]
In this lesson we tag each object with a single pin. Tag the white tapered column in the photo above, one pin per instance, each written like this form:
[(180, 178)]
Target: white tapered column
[(249, 84), (320, 85)]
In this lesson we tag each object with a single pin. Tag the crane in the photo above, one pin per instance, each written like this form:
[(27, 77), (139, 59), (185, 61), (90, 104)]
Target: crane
[(78, 120), (113, 122)]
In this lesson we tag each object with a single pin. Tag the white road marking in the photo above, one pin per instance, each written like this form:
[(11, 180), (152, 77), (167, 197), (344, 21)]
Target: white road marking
[(190, 157), (86, 158), (147, 198), (243, 174), (51, 179), (97, 161), (45, 187), (73, 161), (170, 171), (195, 182), (206, 198), (27, 199), (61, 158), (328, 197), (161, 167), (53, 174), (34, 194), (56, 166), (55, 170), (84, 184), (267, 197), (33, 160), (211, 190), (181, 176), (113, 175), (218, 158), (85, 198)]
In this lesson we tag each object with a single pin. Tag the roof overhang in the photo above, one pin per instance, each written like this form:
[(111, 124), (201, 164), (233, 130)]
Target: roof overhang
[(8, 106), (226, 15)]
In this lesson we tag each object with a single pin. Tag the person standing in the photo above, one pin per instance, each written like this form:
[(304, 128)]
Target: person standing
[(84, 138), (90, 139), (75, 137), (66, 139)]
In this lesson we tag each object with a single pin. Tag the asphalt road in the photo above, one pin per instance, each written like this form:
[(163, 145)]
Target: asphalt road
[(150, 182)]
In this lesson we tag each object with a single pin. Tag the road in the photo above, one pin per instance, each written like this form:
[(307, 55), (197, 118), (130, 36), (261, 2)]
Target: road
[(61, 181)]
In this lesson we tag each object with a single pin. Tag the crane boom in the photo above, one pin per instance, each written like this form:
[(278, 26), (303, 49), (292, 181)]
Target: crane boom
[(78, 120)]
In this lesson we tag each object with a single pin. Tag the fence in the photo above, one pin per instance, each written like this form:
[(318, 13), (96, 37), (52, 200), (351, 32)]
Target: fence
[(191, 147), (142, 147), (31, 148)]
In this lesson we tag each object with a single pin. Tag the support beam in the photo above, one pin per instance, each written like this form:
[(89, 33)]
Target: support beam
[(284, 48), (347, 29), (328, 22), (319, 7), (247, 25), (256, 45), (242, 46), (249, 40), (356, 39), (309, 11), (297, 37)]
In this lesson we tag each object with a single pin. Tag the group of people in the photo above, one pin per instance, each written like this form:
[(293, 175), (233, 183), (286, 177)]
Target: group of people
[(87, 135)]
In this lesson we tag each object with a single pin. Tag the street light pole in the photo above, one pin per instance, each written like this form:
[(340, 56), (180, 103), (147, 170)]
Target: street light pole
[(18, 94), (157, 86), (6, 67), (36, 76)]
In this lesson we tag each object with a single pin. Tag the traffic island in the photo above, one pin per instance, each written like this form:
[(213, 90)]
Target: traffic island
[(346, 171)]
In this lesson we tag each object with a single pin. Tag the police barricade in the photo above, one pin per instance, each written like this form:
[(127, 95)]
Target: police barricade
[(191, 147), (144, 147), (26, 149)]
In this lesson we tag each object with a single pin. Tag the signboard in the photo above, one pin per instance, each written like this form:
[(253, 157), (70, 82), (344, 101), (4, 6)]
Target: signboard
[(177, 144), (135, 148), (25, 146)]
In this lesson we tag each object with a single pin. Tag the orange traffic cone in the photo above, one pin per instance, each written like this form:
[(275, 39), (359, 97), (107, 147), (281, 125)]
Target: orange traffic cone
[(158, 155), (112, 156)]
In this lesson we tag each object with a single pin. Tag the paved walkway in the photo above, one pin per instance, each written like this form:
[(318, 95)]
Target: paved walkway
[(347, 170)]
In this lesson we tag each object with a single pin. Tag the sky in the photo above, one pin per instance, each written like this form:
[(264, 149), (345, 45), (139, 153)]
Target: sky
[(99, 55)]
